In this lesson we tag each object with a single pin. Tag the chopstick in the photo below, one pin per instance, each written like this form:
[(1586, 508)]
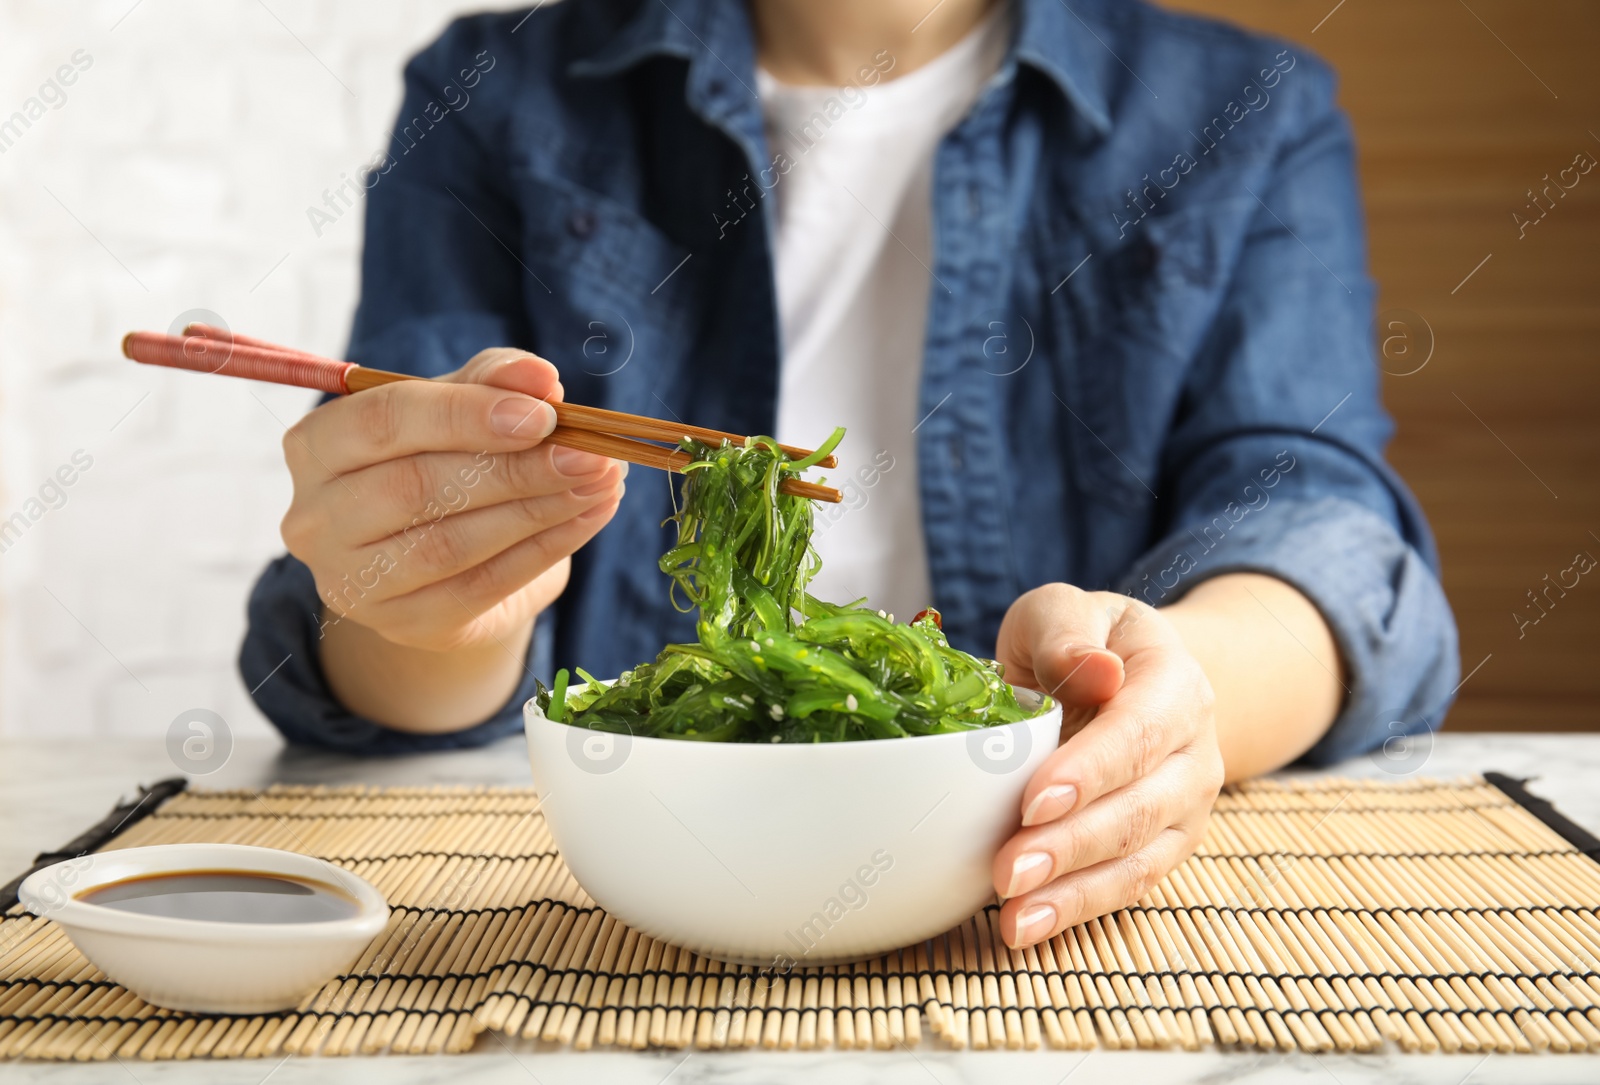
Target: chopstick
[(205, 349), (571, 415)]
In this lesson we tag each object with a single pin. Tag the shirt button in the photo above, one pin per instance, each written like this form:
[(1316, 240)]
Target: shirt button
[(581, 223), (1144, 256)]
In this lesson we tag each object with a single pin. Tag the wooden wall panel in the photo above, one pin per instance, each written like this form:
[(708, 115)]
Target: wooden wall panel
[(1458, 110)]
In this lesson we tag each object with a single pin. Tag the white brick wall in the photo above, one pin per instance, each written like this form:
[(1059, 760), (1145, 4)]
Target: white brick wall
[(173, 177)]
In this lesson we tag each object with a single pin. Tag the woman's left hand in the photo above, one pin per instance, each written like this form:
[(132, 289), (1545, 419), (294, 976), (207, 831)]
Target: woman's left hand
[(1126, 796)]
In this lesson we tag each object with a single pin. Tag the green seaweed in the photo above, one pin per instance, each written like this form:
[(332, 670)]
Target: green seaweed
[(771, 662)]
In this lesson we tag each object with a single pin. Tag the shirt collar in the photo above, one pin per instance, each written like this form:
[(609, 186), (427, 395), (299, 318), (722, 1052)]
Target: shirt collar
[(654, 29), (1066, 40)]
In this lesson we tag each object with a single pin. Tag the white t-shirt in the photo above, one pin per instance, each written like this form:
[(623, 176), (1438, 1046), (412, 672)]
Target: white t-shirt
[(854, 258)]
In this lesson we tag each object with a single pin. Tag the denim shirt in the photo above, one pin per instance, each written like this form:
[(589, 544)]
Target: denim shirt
[(1149, 354)]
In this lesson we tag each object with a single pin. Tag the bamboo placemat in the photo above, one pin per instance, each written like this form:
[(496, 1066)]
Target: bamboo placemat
[(1329, 915)]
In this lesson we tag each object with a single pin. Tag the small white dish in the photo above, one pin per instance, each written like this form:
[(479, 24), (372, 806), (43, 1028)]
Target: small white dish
[(787, 855), (206, 966)]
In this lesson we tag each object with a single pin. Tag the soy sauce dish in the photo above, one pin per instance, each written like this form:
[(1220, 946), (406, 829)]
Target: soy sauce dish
[(784, 855), (212, 928)]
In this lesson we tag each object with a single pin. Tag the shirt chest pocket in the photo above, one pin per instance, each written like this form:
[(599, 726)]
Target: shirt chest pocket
[(1131, 329), (612, 297), (1160, 285)]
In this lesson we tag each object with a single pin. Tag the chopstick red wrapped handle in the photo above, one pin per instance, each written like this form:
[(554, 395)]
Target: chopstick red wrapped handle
[(205, 349), (239, 359)]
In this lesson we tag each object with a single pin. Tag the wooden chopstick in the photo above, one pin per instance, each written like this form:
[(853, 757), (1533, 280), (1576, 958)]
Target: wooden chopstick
[(574, 416), (590, 429)]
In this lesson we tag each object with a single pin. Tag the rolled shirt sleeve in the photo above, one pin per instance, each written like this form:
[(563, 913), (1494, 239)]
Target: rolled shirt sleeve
[(1381, 600), (280, 662)]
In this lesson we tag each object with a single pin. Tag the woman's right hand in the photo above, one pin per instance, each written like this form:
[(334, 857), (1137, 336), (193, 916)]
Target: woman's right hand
[(434, 514)]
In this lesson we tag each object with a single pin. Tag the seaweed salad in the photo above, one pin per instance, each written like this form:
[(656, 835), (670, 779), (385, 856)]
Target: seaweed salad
[(772, 663)]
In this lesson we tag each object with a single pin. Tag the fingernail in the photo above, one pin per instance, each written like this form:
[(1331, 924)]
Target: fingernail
[(521, 416), (1028, 872), (574, 462), (1035, 924), (1051, 803)]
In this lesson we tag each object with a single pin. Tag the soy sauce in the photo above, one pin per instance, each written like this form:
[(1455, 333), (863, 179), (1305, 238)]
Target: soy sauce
[(226, 896)]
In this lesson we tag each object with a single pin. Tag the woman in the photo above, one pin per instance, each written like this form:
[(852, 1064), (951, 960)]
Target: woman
[(1086, 284)]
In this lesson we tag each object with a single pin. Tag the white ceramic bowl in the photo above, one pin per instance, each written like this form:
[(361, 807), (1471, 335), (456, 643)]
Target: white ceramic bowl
[(781, 855), (205, 966)]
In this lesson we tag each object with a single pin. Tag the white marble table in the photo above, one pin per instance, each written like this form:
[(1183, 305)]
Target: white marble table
[(51, 791)]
